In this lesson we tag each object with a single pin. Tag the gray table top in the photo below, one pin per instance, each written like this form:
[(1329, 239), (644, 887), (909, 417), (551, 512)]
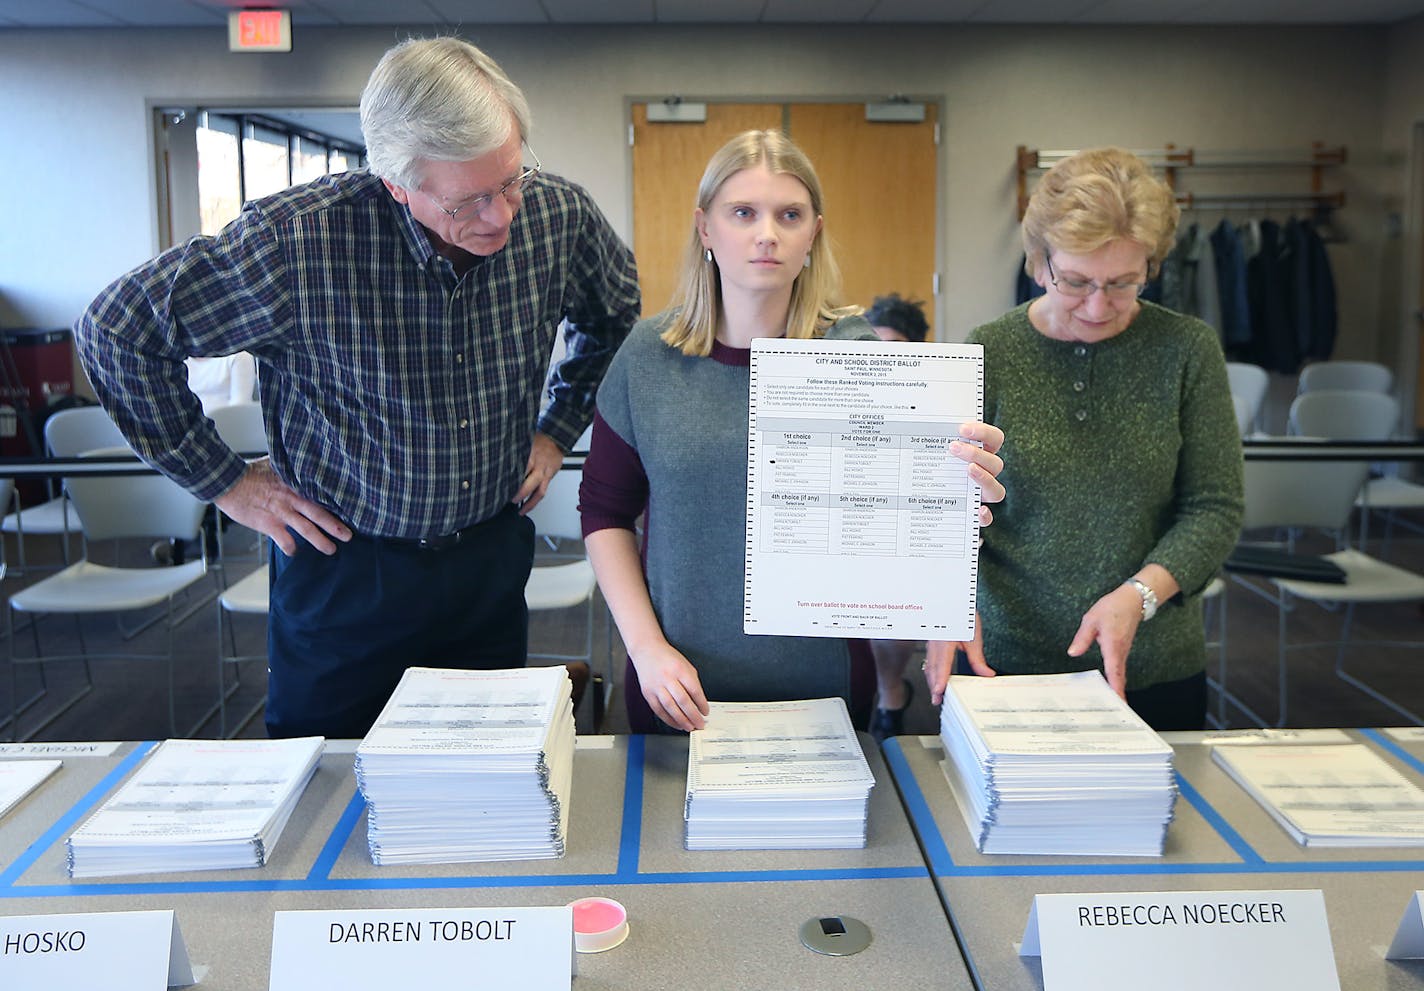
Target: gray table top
[(1221, 839), (728, 919)]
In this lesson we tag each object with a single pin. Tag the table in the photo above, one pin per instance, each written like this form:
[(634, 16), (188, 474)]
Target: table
[(714, 919), (1221, 839)]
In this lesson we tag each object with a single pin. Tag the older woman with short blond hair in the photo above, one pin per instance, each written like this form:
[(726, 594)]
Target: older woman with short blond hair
[(1122, 457)]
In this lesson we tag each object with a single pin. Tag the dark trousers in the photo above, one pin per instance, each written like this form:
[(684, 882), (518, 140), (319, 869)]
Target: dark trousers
[(1172, 705), (343, 629)]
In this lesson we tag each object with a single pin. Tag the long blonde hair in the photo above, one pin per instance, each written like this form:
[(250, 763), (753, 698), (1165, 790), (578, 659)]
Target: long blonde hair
[(697, 304)]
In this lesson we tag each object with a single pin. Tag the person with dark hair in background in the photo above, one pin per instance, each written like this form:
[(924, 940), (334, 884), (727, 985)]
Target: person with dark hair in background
[(402, 318), (894, 318)]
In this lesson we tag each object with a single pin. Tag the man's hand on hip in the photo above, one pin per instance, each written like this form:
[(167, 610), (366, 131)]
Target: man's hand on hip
[(545, 460), (260, 500)]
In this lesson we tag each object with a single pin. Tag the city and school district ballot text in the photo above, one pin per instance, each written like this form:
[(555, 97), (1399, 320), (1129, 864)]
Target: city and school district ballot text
[(859, 521)]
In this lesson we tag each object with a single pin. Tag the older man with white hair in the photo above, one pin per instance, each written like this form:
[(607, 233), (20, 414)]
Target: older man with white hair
[(402, 318)]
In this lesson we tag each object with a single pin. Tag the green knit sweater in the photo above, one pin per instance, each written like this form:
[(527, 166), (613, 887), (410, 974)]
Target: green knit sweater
[(1116, 455)]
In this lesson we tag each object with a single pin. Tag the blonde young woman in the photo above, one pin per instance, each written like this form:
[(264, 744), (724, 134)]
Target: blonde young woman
[(1089, 382), (670, 443)]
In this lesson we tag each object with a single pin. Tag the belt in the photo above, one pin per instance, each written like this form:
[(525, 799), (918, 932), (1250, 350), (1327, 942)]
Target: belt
[(444, 542)]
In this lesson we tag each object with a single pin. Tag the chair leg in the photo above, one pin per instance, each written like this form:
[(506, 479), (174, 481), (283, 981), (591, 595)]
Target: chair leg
[(1281, 687), (14, 674), (1363, 686), (18, 708), (172, 704), (222, 692), (1218, 606), (599, 701)]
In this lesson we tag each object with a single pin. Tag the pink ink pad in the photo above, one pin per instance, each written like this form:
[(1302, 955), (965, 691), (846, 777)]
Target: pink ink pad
[(599, 924)]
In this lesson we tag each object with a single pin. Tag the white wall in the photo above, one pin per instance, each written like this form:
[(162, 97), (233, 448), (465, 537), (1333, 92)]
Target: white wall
[(77, 191)]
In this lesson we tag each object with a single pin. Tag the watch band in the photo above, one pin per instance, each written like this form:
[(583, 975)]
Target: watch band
[(1149, 597)]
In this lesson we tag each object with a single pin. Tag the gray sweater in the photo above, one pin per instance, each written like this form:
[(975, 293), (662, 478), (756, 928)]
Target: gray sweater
[(686, 420), (1116, 455)]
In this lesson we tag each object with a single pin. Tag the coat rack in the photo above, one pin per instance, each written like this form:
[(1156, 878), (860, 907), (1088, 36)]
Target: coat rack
[(1173, 162)]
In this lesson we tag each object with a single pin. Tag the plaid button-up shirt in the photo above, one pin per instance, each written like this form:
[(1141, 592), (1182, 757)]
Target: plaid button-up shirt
[(397, 394)]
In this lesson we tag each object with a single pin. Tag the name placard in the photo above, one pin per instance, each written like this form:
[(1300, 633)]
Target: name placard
[(116, 951), (1408, 943), (1165, 940), (376, 950), (57, 749)]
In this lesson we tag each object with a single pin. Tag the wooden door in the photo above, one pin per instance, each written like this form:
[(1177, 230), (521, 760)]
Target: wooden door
[(879, 182), (668, 161)]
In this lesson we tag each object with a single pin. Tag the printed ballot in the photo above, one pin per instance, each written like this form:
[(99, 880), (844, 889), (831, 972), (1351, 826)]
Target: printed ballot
[(859, 520), (197, 805), (470, 766), (1055, 764), (1343, 795), (776, 776), (20, 777)]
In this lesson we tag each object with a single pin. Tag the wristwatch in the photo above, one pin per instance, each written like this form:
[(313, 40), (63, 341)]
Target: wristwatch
[(1149, 597)]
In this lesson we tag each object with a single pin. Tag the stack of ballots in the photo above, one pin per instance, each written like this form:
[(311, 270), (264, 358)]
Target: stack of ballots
[(197, 805), (1055, 764), (777, 776), (470, 766)]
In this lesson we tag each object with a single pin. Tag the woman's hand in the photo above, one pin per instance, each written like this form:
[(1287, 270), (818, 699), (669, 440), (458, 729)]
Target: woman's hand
[(939, 661), (671, 687), (984, 463), (1112, 623)]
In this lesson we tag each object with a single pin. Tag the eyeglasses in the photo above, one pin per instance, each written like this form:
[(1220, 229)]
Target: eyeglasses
[(512, 189), (1083, 288)]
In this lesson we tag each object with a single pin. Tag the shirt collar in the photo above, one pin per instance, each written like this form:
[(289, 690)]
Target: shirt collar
[(417, 242)]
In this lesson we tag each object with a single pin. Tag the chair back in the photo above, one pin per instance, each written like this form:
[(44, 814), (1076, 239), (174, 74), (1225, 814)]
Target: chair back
[(1249, 382), (557, 513), (241, 428), (1369, 376), (1244, 418), (70, 432), (1344, 414), (1317, 494), (122, 506)]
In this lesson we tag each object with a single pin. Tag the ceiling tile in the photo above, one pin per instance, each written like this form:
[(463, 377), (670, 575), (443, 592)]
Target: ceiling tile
[(1305, 11), (1033, 11), (305, 13), (103, 13), (1144, 11), (703, 12), (450, 13), (602, 12), (816, 11), (923, 11), (470, 13)]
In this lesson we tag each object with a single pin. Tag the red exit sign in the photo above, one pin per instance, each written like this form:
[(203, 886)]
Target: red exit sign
[(259, 31)]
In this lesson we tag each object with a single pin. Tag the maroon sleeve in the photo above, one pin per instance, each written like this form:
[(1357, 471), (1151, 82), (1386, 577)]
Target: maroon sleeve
[(614, 490)]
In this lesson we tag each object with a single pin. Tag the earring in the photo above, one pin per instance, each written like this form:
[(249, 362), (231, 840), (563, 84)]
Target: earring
[(707, 254), (806, 262)]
